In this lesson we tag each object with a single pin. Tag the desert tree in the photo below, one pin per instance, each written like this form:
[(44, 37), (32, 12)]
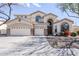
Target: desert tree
[(71, 9), (3, 14)]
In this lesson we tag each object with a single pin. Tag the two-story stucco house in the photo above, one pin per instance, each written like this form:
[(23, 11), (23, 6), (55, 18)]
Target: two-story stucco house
[(38, 23)]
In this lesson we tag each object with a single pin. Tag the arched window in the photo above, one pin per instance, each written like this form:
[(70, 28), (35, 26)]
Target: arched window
[(38, 18), (64, 27)]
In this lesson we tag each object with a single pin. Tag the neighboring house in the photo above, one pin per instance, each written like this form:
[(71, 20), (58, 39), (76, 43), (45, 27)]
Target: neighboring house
[(75, 28), (38, 23), (3, 28)]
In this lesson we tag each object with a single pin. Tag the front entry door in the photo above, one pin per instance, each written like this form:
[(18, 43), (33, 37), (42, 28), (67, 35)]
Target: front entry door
[(49, 27), (50, 30)]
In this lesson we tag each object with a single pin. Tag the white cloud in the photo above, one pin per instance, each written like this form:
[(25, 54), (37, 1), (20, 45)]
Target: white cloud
[(29, 4), (36, 4)]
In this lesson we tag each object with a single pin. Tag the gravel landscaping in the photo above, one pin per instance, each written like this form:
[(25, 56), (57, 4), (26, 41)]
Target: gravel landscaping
[(31, 46)]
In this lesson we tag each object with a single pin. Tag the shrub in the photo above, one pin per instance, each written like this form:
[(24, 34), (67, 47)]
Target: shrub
[(78, 32), (73, 34), (66, 33)]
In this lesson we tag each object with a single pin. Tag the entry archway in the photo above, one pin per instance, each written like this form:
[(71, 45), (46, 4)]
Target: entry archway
[(50, 27)]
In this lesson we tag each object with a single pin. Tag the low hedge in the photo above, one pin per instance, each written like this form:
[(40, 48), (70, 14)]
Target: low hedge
[(73, 34)]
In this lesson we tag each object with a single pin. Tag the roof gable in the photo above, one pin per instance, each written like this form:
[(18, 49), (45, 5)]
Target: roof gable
[(65, 19), (17, 21), (51, 15), (37, 12)]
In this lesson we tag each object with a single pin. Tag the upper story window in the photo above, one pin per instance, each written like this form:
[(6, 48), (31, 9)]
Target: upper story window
[(22, 17), (38, 18)]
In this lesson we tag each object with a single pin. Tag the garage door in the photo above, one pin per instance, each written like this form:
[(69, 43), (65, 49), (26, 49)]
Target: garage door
[(39, 32), (20, 31)]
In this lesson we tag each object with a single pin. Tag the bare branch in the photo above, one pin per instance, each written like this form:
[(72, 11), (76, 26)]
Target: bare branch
[(70, 8), (2, 5), (70, 15), (8, 17)]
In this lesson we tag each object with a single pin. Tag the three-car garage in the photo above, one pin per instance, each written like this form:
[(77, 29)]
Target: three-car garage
[(19, 29)]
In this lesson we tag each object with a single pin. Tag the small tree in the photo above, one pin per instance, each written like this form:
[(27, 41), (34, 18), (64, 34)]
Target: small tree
[(78, 32), (73, 34)]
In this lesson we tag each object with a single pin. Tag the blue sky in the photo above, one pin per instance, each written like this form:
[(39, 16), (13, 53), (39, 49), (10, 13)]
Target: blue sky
[(46, 7)]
